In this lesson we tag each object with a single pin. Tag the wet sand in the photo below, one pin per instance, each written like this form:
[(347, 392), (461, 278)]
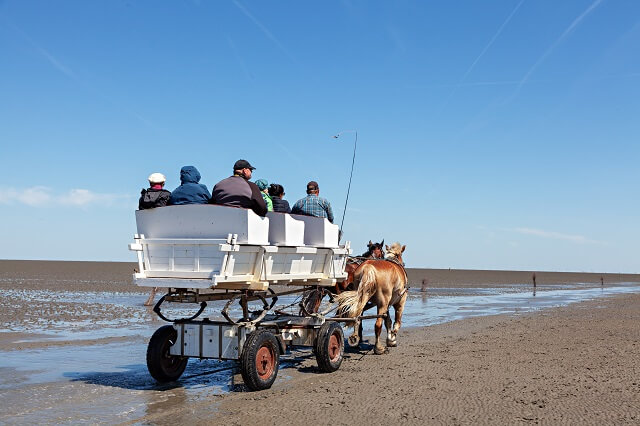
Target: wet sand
[(116, 276), (460, 278), (577, 364), (573, 364), (67, 276)]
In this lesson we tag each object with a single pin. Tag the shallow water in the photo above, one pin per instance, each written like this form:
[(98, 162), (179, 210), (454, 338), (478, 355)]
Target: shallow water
[(435, 306), (124, 363)]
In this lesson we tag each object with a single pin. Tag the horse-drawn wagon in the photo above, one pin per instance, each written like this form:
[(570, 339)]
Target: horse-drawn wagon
[(205, 253)]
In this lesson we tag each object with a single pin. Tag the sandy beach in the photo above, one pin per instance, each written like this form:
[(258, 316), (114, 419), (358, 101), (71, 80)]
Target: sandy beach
[(571, 364)]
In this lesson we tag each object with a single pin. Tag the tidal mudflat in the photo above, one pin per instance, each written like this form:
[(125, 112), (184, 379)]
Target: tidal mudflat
[(73, 340)]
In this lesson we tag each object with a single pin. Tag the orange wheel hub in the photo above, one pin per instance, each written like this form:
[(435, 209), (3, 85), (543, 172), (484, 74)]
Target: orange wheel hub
[(334, 347), (265, 362)]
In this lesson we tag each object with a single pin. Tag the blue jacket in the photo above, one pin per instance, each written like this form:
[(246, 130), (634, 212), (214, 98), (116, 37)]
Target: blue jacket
[(190, 192)]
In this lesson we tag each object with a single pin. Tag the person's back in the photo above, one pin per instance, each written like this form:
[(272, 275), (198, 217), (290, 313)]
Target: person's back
[(237, 191), (313, 204), (276, 191), (190, 191), (155, 195)]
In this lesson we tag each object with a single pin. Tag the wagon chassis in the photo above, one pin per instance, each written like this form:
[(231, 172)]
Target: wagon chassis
[(257, 339)]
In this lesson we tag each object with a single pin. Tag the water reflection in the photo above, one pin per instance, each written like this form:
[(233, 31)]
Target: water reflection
[(452, 304)]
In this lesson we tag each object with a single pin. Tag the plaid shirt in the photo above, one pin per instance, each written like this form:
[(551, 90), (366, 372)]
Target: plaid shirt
[(312, 205)]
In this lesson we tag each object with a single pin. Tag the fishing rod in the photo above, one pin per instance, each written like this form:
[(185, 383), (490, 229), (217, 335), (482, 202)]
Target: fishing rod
[(353, 160)]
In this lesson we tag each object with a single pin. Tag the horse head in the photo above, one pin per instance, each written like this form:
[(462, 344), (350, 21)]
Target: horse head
[(395, 252), (374, 250)]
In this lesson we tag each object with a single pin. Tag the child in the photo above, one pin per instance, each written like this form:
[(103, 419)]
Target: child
[(263, 186)]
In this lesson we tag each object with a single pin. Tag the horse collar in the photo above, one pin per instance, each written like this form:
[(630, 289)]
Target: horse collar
[(395, 260)]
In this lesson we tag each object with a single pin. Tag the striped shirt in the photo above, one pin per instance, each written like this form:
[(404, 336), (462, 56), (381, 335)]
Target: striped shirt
[(312, 205)]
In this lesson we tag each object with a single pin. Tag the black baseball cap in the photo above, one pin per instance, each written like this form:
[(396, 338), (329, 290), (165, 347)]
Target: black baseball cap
[(312, 185), (243, 164)]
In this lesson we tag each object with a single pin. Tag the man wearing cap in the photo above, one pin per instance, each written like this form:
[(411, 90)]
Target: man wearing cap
[(237, 191), (155, 195), (312, 204)]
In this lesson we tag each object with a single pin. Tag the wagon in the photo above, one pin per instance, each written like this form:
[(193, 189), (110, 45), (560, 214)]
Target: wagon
[(204, 253)]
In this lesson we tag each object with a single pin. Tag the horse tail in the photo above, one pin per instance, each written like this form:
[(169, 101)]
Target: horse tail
[(351, 303)]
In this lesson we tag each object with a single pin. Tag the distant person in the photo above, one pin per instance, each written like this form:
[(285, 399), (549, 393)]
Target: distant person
[(155, 195), (152, 296), (237, 191), (312, 204), (276, 191), (190, 190), (263, 186)]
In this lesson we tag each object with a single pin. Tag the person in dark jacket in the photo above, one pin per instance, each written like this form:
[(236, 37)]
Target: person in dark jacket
[(155, 195), (276, 191), (190, 191), (237, 191)]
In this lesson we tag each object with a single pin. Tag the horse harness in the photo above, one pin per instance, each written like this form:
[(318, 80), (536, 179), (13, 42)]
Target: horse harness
[(395, 260), (359, 260)]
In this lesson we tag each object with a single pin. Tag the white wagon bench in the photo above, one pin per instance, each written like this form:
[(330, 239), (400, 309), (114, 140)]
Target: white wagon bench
[(203, 253)]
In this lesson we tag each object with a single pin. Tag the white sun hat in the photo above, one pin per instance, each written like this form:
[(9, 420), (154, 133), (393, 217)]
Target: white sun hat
[(157, 178)]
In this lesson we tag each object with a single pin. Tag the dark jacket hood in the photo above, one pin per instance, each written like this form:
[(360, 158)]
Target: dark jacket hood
[(189, 174)]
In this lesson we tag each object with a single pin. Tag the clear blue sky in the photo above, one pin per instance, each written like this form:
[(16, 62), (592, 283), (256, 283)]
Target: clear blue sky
[(492, 135)]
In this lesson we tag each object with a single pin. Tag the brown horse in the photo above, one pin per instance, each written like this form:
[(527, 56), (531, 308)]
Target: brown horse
[(374, 251), (384, 282), (313, 298)]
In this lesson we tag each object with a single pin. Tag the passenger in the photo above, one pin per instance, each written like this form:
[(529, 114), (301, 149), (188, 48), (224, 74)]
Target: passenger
[(276, 191), (155, 195), (312, 204), (237, 191), (263, 186), (190, 191)]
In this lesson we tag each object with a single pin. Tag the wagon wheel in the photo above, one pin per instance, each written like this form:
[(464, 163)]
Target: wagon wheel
[(329, 347), (260, 360), (162, 366)]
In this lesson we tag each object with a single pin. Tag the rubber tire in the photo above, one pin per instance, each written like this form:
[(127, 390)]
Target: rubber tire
[(162, 366), (329, 347), (265, 342)]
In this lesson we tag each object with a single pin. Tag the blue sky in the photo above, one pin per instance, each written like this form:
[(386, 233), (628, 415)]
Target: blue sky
[(492, 135)]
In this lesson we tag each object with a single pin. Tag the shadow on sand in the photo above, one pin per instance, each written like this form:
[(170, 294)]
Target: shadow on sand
[(137, 377), (198, 373)]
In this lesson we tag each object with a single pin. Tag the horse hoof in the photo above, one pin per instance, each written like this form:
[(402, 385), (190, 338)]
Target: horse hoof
[(379, 351), (353, 340), (392, 344)]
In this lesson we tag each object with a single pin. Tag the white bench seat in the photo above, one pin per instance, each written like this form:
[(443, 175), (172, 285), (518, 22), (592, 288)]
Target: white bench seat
[(208, 246), (203, 221)]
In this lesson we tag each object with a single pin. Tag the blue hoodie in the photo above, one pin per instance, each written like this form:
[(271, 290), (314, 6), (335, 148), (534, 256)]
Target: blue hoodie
[(190, 192)]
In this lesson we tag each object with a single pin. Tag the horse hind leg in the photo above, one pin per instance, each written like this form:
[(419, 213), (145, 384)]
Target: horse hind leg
[(391, 341), (398, 308), (355, 338), (383, 315)]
